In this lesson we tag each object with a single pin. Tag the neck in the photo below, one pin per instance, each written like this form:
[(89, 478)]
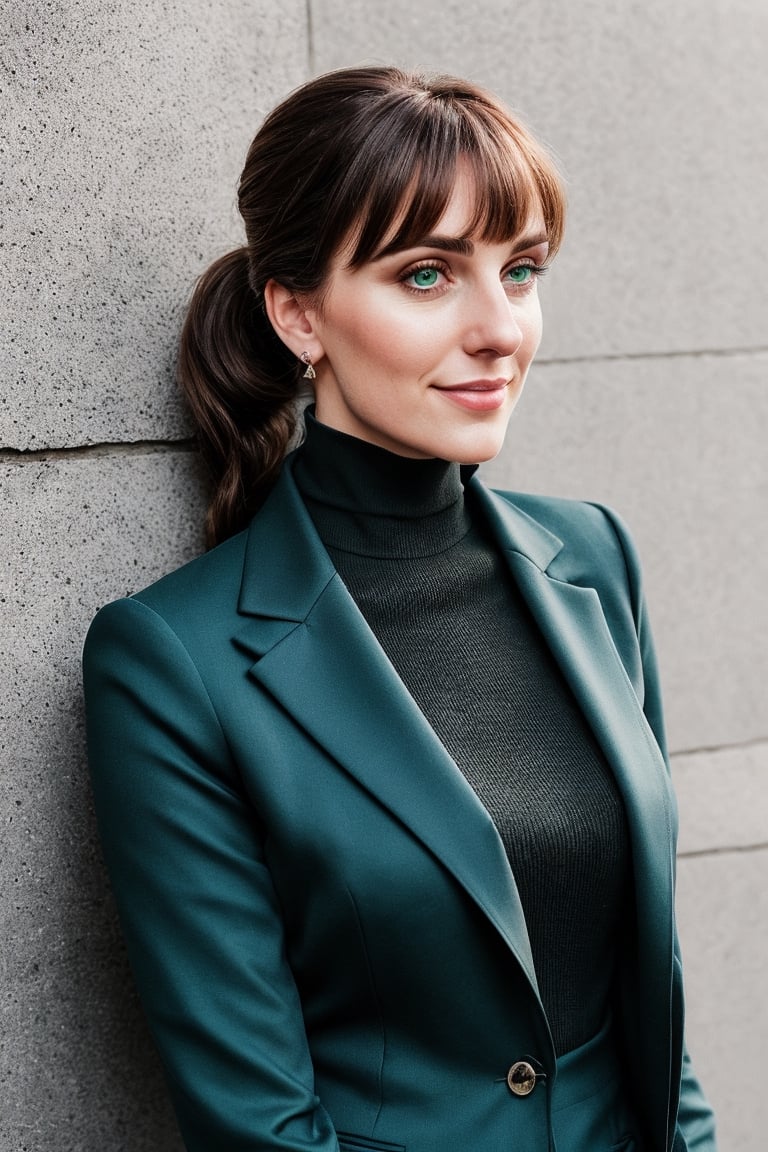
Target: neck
[(369, 500)]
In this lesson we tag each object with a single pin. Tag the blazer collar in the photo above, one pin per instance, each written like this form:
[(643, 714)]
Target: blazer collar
[(286, 566)]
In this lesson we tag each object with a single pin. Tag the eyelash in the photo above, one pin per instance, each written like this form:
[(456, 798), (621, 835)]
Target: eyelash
[(537, 270)]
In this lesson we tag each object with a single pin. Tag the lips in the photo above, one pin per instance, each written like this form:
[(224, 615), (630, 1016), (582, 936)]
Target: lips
[(476, 395), (475, 385)]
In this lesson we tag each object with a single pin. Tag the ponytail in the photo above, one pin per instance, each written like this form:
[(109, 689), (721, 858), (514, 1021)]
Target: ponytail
[(240, 382)]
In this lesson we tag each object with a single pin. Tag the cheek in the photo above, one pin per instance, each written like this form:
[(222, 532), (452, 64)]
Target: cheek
[(536, 325), (392, 346), (360, 333), (531, 329)]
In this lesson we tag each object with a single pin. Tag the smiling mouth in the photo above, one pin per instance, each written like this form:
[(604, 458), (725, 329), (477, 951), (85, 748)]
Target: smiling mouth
[(477, 395), (475, 386)]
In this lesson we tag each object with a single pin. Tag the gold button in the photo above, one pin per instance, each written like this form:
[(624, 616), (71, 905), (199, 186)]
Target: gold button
[(521, 1078)]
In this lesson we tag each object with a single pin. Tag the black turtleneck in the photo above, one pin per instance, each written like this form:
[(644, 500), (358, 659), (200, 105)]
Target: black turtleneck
[(440, 599)]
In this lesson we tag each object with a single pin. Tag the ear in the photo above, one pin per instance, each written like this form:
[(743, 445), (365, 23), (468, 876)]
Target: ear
[(293, 320)]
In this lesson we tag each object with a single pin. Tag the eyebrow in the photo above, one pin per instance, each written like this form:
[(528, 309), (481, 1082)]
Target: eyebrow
[(460, 244)]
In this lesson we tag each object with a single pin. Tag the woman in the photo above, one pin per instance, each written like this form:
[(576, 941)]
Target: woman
[(381, 777)]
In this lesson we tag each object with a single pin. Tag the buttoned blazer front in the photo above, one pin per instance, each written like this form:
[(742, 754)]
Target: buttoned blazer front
[(323, 924)]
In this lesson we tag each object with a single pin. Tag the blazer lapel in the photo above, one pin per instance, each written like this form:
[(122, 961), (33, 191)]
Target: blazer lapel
[(572, 621), (318, 657)]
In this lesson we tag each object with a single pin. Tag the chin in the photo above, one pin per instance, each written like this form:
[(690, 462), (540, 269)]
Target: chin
[(473, 446)]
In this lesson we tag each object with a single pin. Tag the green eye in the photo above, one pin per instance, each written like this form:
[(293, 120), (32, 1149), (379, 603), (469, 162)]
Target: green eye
[(425, 277), (520, 274)]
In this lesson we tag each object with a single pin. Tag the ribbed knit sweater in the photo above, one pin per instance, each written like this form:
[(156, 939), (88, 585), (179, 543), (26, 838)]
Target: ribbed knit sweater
[(440, 599)]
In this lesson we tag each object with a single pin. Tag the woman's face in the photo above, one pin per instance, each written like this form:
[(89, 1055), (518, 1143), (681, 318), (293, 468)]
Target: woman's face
[(425, 351)]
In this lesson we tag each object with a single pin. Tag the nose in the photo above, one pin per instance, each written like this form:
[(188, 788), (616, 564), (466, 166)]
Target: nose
[(493, 325)]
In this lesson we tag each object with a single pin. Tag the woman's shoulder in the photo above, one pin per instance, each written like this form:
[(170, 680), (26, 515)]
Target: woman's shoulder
[(595, 546), (566, 517), (205, 588)]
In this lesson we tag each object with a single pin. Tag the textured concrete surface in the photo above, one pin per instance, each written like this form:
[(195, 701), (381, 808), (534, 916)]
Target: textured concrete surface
[(677, 446), (127, 126), (656, 111), (722, 916), (723, 798), (723, 912), (77, 1071)]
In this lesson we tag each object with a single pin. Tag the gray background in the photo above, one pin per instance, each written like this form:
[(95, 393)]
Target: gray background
[(125, 130)]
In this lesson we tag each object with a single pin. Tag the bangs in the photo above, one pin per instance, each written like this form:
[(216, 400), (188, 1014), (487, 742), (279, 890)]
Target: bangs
[(408, 171)]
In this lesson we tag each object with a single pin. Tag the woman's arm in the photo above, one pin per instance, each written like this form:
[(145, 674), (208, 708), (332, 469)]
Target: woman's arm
[(196, 901)]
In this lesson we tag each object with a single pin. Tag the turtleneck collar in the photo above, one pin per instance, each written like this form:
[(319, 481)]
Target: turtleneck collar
[(367, 500)]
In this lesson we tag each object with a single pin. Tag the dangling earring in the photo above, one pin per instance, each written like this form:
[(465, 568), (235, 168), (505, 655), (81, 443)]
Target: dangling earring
[(309, 372)]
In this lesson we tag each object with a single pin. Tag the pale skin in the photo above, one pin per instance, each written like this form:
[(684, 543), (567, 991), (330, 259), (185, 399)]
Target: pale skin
[(424, 351)]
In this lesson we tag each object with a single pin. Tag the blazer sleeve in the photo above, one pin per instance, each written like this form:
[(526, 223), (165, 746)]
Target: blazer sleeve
[(195, 898), (696, 1121)]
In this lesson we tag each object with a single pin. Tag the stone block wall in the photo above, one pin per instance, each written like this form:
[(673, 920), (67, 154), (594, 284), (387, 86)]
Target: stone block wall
[(124, 130)]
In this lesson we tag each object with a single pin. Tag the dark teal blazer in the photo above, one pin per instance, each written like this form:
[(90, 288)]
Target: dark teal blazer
[(323, 924)]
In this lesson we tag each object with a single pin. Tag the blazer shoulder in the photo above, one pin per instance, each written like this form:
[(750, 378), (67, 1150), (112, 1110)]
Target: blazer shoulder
[(595, 539), (564, 516), (205, 588)]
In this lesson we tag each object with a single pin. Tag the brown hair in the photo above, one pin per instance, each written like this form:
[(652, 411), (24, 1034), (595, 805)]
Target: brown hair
[(347, 157)]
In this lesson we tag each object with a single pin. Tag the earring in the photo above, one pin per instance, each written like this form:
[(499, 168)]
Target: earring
[(309, 372)]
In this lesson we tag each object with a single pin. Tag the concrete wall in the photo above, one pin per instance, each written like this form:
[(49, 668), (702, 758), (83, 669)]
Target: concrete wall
[(126, 129)]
